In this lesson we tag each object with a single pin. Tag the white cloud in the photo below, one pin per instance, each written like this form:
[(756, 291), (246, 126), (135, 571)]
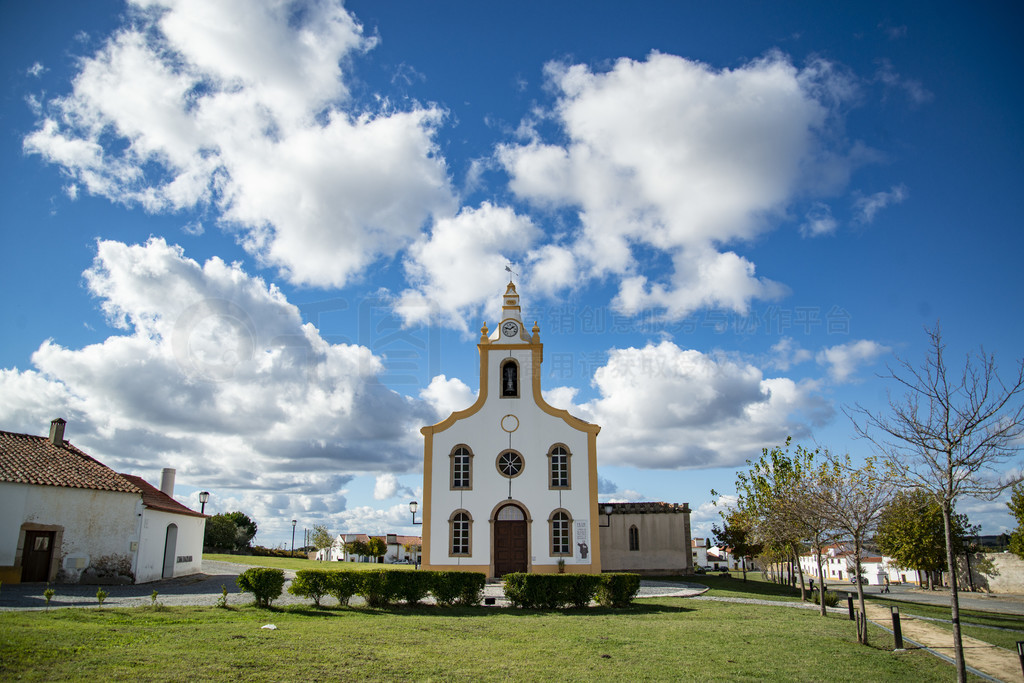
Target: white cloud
[(385, 487), (672, 408), (458, 269), (843, 360), (215, 374), (786, 353), (672, 155), (243, 106), (818, 221), (446, 396), (867, 207)]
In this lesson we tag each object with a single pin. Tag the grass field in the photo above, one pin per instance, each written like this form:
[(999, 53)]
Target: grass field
[(296, 563), (662, 639)]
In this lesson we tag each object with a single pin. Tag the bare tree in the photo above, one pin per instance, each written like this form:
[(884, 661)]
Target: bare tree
[(853, 499), (948, 434)]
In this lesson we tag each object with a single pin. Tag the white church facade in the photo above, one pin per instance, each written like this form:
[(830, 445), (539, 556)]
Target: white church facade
[(510, 483)]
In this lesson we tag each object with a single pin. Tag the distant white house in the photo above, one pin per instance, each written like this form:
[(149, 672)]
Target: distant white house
[(66, 517), (396, 549), (838, 564)]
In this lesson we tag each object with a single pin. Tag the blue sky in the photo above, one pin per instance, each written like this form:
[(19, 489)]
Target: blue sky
[(256, 241)]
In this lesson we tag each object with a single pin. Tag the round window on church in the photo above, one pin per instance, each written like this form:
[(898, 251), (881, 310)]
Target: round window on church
[(510, 464)]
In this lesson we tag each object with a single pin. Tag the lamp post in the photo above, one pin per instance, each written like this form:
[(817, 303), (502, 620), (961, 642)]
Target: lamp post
[(607, 509), (294, 522), (203, 497), (413, 506)]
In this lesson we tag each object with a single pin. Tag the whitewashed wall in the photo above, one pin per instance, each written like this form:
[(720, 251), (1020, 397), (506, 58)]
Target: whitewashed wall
[(94, 523), (153, 538)]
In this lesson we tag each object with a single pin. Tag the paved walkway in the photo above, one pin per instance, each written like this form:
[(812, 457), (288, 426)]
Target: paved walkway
[(989, 659)]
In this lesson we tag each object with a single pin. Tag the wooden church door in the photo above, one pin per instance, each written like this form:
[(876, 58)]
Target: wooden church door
[(510, 541)]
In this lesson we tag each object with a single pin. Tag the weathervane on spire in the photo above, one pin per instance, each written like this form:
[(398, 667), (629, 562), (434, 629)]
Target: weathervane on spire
[(511, 273)]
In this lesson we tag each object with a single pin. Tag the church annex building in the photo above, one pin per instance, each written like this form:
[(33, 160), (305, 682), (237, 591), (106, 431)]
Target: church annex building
[(510, 483)]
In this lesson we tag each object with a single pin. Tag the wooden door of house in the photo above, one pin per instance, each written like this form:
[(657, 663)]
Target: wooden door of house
[(510, 541), (36, 558)]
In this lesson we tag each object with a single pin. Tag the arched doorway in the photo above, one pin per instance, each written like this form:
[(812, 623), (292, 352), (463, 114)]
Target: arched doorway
[(170, 546), (511, 544)]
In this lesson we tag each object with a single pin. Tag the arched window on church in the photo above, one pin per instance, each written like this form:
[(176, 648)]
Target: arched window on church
[(461, 468), (560, 524), (510, 379), (634, 538), (558, 466), (460, 527)]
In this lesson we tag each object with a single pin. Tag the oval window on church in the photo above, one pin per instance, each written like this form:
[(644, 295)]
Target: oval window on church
[(510, 464)]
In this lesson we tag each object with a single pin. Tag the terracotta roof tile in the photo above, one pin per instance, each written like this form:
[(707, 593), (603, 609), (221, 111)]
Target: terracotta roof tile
[(27, 459), (154, 498)]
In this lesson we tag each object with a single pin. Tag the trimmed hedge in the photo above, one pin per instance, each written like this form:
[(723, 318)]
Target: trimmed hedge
[(381, 588), (384, 587), (311, 583), (553, 591), (263, 582), (462, 588), (618, 590)]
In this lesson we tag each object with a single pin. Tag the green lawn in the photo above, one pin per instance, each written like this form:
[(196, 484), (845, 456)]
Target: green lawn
[(296, 563), (663, 639)]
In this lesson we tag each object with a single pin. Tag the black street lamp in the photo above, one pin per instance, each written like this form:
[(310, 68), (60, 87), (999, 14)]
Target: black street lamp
[(203, 497), (294, 522), (607, 509), (413, 506)]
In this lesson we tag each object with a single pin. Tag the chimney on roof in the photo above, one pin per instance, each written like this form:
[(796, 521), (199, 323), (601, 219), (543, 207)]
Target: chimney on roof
[(167, 481), (57, 431)]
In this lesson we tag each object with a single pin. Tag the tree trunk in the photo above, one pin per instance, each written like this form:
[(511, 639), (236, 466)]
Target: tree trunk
[(821, 582), (954, 598), (862, 622)]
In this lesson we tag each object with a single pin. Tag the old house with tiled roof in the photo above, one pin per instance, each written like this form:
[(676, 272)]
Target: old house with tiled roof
[(65, 517)]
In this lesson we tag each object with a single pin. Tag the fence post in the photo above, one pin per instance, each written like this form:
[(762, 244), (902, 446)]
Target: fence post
[(897, 632), (849, 604)]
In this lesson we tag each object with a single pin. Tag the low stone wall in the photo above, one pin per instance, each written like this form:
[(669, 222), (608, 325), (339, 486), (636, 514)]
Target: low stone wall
[(994, 572)]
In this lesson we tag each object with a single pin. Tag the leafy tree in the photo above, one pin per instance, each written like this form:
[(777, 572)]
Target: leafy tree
[(246, 529), (736, 534), (229, 531), (852, 500), (911, 531), (946, 435), (773, 497), (321, 537), (1016, 506), (357, 548), (220, 533), (376, 547)]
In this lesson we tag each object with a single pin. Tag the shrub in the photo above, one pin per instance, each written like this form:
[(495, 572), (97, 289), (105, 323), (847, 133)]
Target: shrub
[(343, 585), (581, 589), (618, 590), (471, 588), (379, 588), (413, 586), (263, 582), (311, 583), (831, 598), (535, 590), (444, 587)]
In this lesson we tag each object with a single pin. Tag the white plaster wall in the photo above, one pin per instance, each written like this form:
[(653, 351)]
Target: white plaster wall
[(482, 432), (995, 572), (12, 514), (152, 540), (96, 523)]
